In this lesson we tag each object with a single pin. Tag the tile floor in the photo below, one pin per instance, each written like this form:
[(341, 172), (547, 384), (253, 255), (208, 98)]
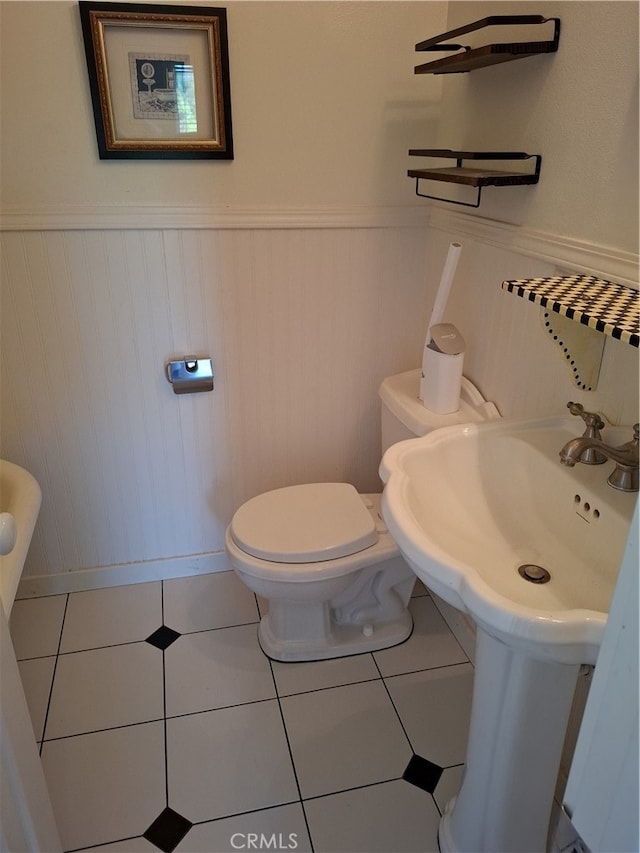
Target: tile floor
[(163, 726)]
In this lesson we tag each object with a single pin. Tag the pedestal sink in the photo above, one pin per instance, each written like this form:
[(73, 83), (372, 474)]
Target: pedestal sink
[(490, 520)]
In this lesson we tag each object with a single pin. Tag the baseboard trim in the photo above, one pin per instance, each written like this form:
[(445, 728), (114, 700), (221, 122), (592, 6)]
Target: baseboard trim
[(126, 574), (123, 574)]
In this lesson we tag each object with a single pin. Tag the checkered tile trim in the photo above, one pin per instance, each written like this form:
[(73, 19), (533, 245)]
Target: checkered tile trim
[(602, 305)]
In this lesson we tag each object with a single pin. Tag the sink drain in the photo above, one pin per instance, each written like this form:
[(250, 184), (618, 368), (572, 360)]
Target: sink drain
[(534, 574)]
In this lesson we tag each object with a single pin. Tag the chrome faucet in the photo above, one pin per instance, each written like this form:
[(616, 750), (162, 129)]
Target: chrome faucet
[(593, 423), (625, 475)]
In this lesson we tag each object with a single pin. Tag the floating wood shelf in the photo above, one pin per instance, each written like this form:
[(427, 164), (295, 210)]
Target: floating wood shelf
[(478, 178), (492, 54), (610, 308)]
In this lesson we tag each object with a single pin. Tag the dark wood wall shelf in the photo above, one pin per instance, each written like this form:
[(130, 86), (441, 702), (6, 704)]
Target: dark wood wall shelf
[(472, 58), (467, 58), (473, 177)]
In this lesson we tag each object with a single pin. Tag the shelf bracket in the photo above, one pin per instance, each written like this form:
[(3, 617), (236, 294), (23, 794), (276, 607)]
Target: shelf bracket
[(449, 200), (580, 349)]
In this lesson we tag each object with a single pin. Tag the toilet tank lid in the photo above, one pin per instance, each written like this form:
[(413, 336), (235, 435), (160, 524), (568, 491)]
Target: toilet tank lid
[(399, 394), (304, 524)]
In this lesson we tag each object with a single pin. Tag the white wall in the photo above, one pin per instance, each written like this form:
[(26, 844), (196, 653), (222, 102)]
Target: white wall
[(305, 267), (298, 267), (301, 326), (324, 105), (577, 107)]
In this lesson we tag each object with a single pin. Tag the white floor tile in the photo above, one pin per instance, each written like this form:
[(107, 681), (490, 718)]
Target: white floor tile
[(281, 828), (201, 602), (230, 769), (103, 688), (460, 624), (432, 644), (36, 624), (230, 760), (213, 669), (344, 737), (36, 676), (106, 617), (106, 786), (448, 786), (314, 675), (435, 707), (394, 816), (131, 845)]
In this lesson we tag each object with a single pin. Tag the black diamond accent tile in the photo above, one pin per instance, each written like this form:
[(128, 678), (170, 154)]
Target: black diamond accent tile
[(163, 637), (168, 830), (422, 773)]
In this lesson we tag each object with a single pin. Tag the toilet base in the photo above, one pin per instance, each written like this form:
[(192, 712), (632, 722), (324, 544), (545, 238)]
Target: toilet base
[(341, 641)]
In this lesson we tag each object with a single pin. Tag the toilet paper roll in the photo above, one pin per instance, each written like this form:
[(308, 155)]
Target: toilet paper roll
[(441, 381)]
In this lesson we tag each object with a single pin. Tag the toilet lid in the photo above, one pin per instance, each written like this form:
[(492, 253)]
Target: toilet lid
[(304, 524)]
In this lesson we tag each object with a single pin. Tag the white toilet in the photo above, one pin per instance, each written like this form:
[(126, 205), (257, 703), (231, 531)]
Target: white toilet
[(321, 555)]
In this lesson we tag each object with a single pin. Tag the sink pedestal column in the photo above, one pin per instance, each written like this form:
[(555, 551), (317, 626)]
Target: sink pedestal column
[(519, 717)]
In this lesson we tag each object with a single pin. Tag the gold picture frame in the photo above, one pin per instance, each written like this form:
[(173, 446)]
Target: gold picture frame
[(159, 79)]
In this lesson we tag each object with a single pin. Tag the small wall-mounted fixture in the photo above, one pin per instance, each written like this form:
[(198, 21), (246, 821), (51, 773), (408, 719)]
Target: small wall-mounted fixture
[(468, 58), (473, 177), (190, 375)]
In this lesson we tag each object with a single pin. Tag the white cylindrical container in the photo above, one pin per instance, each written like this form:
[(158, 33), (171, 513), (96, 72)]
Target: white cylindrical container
[(441, 380)]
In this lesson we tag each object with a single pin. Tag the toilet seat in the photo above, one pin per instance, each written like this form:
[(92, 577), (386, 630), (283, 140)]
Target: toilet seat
[(309, 523)]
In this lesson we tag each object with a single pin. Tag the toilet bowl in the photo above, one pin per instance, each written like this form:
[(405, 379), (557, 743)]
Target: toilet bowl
[(320, 554), (332, 589)]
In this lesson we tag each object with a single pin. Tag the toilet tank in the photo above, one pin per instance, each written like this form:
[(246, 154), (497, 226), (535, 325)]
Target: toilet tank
[(404, 416)]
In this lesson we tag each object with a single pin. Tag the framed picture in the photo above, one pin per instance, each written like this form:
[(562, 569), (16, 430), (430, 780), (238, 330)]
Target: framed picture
[(159, 78)]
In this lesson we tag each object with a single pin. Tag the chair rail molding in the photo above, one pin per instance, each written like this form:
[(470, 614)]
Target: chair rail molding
[(106, 217), (570, 253), (608, 262)]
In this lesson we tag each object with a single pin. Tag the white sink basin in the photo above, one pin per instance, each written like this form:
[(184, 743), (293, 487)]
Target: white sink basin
[(468, 505), (20, 498)]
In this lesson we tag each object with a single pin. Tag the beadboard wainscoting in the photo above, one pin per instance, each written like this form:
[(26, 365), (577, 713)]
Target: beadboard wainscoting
[(510, 356), (301, 324), (302, 313)]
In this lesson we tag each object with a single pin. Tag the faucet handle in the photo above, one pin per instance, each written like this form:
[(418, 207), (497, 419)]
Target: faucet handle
[(592, 419), (594, 424)]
